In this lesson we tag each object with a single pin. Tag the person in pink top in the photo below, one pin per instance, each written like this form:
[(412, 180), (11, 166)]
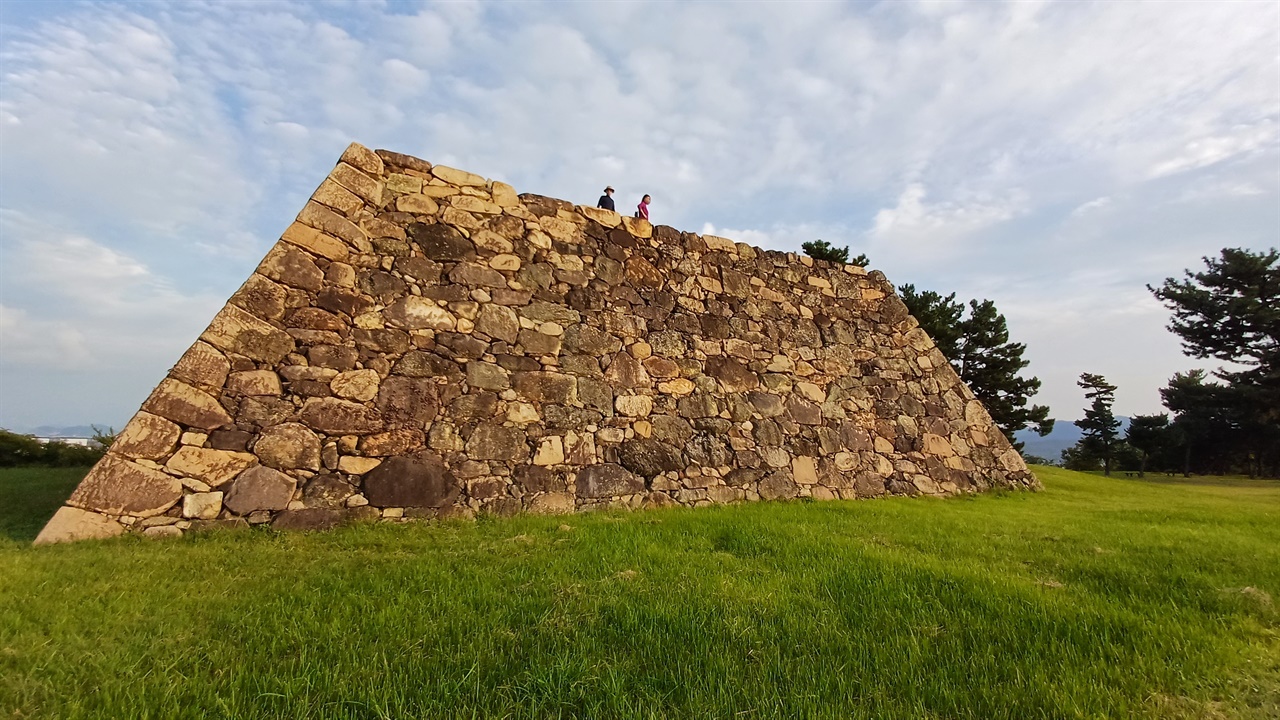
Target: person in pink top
[(642, 210)]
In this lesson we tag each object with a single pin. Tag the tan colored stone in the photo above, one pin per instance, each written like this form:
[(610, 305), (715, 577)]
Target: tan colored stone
[(678, 387), (633, 405), (710, 284), (475, 205), (147, 436), (505, 195), (352, 465), (811, 391), (186, 405), (718, 243), (117, 486), (552, 504), (522, 413), (882, 445), (325, 220), (781, 364), (316, 242), (254, 382), (359, 385), (404, 184), (202, 506), (492, 242), (234, 330), (607, 218), (937, 445), (194, 438), (340, 417), (640, 350), (550, 451), (417, 204), (203, 366), (439, 191), (367, 188), (561, 230), (288, 446), (416, 313), (453, 176), (804, 470), (333, 195), (818, 282), (364, 159), (505, 262), (869, 294), (460, 218), (70, 524), (213, 467), (638, 227)]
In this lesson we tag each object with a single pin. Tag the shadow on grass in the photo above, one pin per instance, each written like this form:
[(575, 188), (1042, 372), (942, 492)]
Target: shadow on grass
[(29, 496)]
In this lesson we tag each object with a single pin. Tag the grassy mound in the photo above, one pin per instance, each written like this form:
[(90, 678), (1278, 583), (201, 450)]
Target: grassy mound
[(1096, 598)]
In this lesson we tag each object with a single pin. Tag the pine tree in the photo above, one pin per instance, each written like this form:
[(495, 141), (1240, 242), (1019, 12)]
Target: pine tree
[(1100, 426), (1231, 312), (978, 347), (1149, 434), (823, 250)]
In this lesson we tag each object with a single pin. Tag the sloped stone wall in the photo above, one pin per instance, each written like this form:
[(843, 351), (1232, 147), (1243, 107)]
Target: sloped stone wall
[(424, 342)]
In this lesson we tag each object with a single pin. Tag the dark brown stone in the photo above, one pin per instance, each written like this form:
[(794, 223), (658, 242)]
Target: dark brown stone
[(381, 340), (544, 387), (803, 411), (379, 284), (309, 519), (643, 274), (536, 343), (607, 480), (337, 357), (626, 372), (732, 374), (402, 161), (316, 319), (418, 364), (708, 451), (236, 440), (259, 488), (292, 267), (411, 482), (649, 457), (474, 406), (343, 301), (420, 269), (264, 411), (406, 402), (495, 442), (441, 243), (499, 322), (535, 479), (778, 486), (595, 394)]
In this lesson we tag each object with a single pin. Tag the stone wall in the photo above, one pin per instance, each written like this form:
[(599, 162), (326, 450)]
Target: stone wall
[(424, 342)]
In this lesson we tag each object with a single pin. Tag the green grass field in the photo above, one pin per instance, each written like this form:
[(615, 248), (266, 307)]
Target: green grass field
[(1098, 598)]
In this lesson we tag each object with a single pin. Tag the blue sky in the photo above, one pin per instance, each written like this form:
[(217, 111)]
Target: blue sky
[(1053, 157)]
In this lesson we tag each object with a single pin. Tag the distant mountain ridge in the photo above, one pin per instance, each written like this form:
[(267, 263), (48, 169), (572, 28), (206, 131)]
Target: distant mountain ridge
[(1064, 435), (57, 431)]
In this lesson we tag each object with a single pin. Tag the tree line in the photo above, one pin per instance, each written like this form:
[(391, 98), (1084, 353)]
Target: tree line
[(1223, 422), (18, 450)]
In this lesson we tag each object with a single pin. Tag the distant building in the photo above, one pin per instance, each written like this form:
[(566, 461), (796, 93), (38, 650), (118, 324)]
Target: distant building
[(81, 441)]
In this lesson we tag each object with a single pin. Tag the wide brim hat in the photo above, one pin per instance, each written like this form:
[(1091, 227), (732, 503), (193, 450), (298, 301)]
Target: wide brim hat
[(609, 188)]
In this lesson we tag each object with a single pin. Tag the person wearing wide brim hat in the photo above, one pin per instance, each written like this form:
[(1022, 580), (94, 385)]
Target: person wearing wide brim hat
[(606, 200)]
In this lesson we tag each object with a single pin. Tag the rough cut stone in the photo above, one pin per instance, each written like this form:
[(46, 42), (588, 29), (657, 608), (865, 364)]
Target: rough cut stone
[(440, 242), (495, 442), (116, 486), (259, 488), (410, 482), (202, 365), (648, 457), (358, 385), (607, 480), (185, 405), (254, 382), (212, 467), (340, 417), (147, 436), (288, 446), (202, 506), (234, 330), (70, 524)]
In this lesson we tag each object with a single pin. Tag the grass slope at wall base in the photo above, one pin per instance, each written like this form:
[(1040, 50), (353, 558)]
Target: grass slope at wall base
[(423, 342)]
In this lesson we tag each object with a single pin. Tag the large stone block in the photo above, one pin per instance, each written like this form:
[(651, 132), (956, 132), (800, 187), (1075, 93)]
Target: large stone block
[(259, 488), (411, 482), (147, 436), (340, 417), (495, 442), (209, 466), (117, 486), (186, 405), (70, 524), (234, 330), (288, 446), (608, 480)]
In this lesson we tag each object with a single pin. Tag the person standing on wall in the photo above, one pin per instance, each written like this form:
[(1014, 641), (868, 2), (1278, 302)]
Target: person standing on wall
[(606, 200), (642, 210)]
